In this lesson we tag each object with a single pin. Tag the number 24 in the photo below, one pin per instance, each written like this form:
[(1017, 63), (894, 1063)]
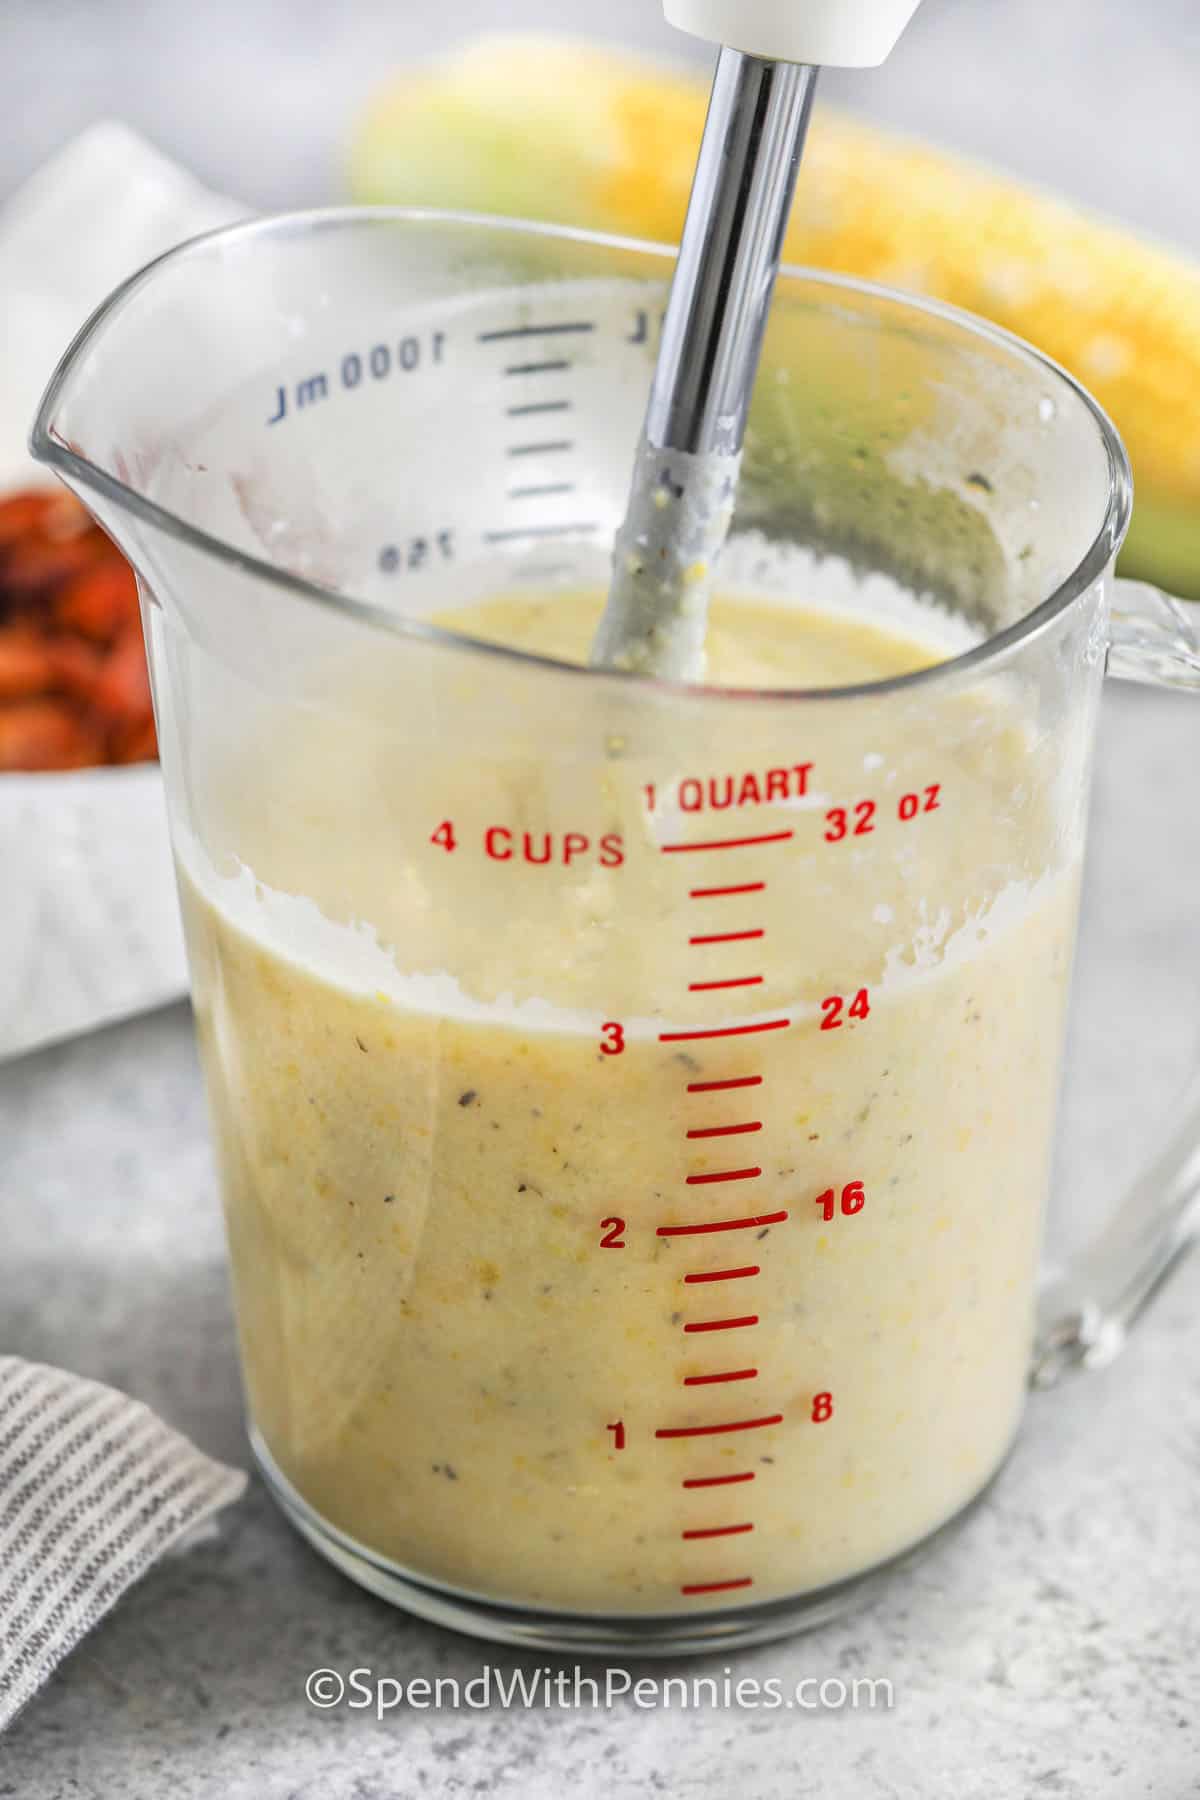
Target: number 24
[(835, 1005)]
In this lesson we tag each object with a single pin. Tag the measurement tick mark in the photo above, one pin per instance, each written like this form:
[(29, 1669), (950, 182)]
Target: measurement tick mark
[(547, 487), (688, 1037), (705, 987), (725, 1375), (766, 837), (724, 1275), (528, 331), (537, 406), (744, 887), (724, 1324), (717, 1587), (537, 368), (550, 445), (715, 1087), (717, 1531), (776, 1218), (723, 1175), (707, 1131), (726, 937), (689, 1431), (540, 531), (699, 1481)]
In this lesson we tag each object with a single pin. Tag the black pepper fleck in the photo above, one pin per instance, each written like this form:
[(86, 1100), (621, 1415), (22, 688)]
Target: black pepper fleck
[(466, 1099), (360, 1044), (388, 1199)]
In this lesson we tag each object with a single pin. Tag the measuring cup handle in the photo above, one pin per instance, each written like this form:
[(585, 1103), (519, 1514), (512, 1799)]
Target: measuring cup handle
[(1085, 1315)]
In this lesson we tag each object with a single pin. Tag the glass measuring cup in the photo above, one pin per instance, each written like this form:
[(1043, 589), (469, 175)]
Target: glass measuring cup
[(633, 1104)]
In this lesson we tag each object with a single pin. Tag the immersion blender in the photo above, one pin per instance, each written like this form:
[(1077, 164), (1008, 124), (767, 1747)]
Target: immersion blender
[(686, 469)]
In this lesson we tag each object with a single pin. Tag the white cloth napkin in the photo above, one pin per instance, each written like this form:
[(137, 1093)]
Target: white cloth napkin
[(89, 922), (93, 1489)]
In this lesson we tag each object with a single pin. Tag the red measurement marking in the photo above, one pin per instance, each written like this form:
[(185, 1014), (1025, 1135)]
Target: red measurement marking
[(717, 1531), (717, 1087), (690, 1037), (707, 987), (706, 1131), (742, 843), (720, 1225), (717, 1587), (722, 1275), (745, 887), (698, 1481), (724, 1375), (724, 1324), (688, 1431), (727, 937), (724, 1175)]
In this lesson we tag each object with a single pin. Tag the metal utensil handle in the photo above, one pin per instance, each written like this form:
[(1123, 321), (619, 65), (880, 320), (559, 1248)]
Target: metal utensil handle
[(729, 255), (686, 468)]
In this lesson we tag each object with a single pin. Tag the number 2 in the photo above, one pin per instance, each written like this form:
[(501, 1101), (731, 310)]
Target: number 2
[(613, 1234)]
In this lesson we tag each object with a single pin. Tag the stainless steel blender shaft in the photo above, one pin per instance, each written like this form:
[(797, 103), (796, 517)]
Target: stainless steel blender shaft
[(729, 256), (687, 463)]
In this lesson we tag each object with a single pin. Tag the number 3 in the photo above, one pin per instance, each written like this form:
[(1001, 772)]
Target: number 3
[(612, 1038)]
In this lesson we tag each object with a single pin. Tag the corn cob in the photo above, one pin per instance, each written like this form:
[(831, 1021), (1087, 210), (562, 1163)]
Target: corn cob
[(574, 133)]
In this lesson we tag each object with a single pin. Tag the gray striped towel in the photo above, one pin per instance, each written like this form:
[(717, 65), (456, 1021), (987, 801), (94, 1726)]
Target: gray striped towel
[(93, 1489)]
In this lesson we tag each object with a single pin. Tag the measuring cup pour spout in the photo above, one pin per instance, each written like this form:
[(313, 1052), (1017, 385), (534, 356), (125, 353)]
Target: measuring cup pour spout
[(658, 1141)]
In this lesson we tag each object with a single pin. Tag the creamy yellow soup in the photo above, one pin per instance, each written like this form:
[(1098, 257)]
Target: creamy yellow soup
[(648, 1228)]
